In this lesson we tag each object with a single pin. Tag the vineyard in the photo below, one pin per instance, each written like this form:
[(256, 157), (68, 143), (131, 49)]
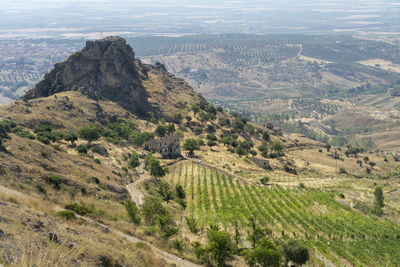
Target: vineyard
[(336, 233)]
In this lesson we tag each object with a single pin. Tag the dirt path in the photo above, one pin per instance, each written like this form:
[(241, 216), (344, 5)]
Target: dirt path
[(169, 257), (133, 188)]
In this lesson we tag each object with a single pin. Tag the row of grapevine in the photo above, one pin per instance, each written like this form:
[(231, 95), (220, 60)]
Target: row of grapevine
[(338, 233)]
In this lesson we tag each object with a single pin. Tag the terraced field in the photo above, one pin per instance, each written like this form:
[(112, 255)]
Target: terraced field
[(337, 234)]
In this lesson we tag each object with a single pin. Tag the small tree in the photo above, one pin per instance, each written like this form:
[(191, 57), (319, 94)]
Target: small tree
[(198, 130), (203, 116), (266, 136), (211, 143), (265, 254), (191, 145), (256, 232), (178, 244), (170, 127), (134, 160), (328, 147), (219, 246), (296, 252), (196, 109), (378, 203), (133, 211), (165, 191), (177, 118), (277, 146), (71, 137), (188, 118), (161, 130), (264, 180), (263, 148), (89, 133), (151, 209), (167, 228), (56, 136), (155, 169), (192, 224), (180, 192)]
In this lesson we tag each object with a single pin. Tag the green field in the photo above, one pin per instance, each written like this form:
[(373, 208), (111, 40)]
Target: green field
[(335, 233)]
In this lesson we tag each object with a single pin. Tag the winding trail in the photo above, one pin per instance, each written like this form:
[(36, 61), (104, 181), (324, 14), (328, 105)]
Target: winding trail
[(169, 257), (133, 188)]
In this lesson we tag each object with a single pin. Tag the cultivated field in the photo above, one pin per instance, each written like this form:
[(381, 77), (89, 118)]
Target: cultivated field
[(338, 234)]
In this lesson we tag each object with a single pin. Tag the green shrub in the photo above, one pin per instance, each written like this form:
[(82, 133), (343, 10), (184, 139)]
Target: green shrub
[(133, 211), (41, 188), (166, 227), (134, 160), (90, 133), (81, 149), (23, 133), (71, 137), (180, 192), (219, 249), (151, 209), (7, 125), (211, 137), (58, 147), (191, 144), (138, 138), (155, 169), (224, 122), (44, 154), (265, 253), (264, 180), (378, 202), (342, 170), (192, 225), (42, 128), (161, 130), (108, 261), (178, 244), (99, 149), (181, 202), (54, 180), (198, 130), (42, 138), (67, 215), (177, 118), (164, 190), (80, 209), (56, 136), (296, 252)]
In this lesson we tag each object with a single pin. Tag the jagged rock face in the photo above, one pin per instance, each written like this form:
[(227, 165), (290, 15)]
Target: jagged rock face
[(105, 68)]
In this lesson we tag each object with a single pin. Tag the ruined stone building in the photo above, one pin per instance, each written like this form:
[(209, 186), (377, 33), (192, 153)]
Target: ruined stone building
[(168, 146), (263, 163)]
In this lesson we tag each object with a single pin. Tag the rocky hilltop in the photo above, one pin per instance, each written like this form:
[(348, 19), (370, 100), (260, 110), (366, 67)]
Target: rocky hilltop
[(107, 69)]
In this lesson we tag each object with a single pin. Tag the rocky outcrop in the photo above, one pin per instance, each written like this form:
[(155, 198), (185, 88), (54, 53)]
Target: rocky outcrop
[(104, 68)]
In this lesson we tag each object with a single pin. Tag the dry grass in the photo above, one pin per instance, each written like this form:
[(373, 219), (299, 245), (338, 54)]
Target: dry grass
[(381, 64), (27, 245), (311, 59)]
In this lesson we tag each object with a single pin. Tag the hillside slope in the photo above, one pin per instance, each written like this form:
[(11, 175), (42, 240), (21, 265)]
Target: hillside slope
[(310, 192)]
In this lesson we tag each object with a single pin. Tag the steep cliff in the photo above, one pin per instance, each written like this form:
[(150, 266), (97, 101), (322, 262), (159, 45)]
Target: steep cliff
[(107, 69)]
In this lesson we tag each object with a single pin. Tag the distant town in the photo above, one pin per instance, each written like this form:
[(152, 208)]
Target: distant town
[(24, 62)]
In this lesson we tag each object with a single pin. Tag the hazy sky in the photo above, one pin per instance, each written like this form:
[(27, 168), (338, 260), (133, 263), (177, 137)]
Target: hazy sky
[(208, 16)]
